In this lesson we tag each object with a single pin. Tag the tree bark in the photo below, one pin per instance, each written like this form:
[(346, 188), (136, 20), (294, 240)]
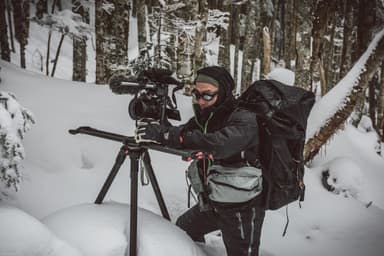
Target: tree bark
[(199, 57), (5, 51), (320, 19), (112, 30), (10, 25), (380, 106), (21, 19), (335, 123), (79, 69), (289, 33), (225, 40), (236, 35), (141, 14), (348, 39), (249, 47), (41, 8), (303, 45), (57, 55), (267, 52)]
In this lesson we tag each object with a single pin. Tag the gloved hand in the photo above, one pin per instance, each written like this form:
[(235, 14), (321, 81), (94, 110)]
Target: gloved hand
[(150, 133), (156, 133)]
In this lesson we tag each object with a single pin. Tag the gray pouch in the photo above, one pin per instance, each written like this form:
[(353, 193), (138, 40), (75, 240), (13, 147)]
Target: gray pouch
[(194, 178), (233, 185)]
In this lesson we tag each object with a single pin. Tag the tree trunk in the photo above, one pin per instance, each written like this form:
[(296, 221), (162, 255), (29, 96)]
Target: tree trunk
[(42, 8), (289, 33), (372, 101), (303, 45), (263, 33), (79, 59), (10, 25), (267, 53), (366, 23), (380, 106), (320, 19), (249, 47), (141, 14), (57, 55), (21, 19), (348, 39), (236, 34), (47, 61), (314, 144), (225, 39), (112, 29), (199, 57), (5, 51)]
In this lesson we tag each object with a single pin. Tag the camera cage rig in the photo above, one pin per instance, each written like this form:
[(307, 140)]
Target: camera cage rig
[(150, 89), (148, 82)]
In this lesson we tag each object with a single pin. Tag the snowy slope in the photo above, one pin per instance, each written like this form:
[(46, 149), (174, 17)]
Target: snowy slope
[(63, 170)]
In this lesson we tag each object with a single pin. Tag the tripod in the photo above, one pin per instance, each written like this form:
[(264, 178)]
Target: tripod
[(135, 152)]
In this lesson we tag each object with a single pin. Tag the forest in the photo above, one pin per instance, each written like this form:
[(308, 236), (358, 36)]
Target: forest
[(319, 40)]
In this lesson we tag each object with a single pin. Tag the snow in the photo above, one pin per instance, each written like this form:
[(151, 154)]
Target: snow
[(63, 174), (22, 234), (282, 75), (53, 214), (109, 223)]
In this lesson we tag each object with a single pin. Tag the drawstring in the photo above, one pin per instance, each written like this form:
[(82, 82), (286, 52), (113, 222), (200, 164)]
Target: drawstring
[(286, 225)]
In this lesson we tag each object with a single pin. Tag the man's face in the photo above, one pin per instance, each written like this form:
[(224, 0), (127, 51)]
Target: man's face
[(205, 94)]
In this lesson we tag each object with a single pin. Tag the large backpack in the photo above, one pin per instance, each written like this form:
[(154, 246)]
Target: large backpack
[(282, 113)]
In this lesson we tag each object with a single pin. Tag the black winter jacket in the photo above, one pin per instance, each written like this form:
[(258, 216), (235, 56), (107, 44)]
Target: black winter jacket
[(230, 134)]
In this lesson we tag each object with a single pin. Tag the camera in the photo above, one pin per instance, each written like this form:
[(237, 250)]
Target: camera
[(151, 90)]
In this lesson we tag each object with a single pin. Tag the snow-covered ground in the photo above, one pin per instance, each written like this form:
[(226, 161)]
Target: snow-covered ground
[(63, 174), (53, 213)]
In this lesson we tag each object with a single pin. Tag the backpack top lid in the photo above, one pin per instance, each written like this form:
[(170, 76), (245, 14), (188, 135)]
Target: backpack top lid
[(283, 105)]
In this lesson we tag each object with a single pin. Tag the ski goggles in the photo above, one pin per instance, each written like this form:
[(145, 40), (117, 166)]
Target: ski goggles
[(207, 96)]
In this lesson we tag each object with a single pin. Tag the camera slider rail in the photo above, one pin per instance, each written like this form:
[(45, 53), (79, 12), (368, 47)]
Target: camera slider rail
[(136, 151), (186, 155)]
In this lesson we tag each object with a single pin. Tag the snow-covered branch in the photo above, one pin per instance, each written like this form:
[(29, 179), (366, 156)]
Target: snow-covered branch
[(331, 111)]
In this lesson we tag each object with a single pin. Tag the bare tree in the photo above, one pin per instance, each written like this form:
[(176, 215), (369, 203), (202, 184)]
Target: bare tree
[(21, 18), (141, 13), (112, 29), (380, 106), (249, 46), (225, 40), (348, 38), (5, 51), (9, 11), (303, 45), (319, 20), (266, 63), (289, 33), (79, 59)]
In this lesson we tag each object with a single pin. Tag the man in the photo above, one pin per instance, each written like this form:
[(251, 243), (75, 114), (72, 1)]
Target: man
[(231, 135)]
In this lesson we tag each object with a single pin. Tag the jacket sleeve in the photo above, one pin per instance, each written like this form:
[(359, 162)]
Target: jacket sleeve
[(240, 132)]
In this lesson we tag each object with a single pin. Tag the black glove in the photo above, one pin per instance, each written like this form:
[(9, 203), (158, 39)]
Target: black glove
[(160, 134)]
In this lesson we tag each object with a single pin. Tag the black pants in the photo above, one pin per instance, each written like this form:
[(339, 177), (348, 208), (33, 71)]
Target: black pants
[(240, 227)]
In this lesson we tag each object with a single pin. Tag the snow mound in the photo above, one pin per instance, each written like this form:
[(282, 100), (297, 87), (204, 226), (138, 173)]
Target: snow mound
[(104, 230), (282, 75), (25, 235), (345, 177)]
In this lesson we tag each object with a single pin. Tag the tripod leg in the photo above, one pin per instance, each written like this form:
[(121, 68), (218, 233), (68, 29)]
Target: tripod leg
[(118, 162), (133, 220), (155, 185)]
